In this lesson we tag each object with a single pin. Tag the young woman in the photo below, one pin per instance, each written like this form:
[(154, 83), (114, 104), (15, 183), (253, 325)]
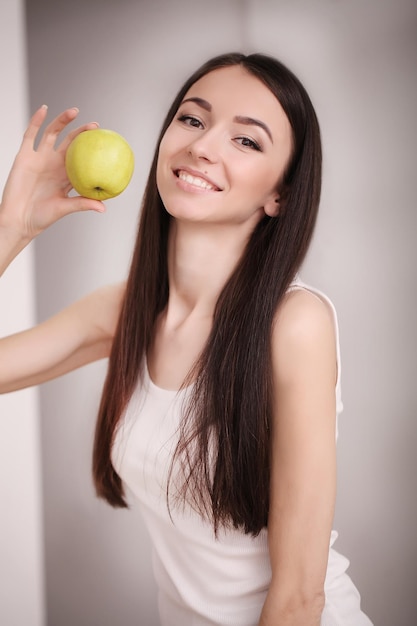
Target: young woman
[(219, 410)]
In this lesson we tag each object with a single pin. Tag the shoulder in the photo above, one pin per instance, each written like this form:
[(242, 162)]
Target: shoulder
[(303, 312), (303, 334), (100, 309), (111, 295)]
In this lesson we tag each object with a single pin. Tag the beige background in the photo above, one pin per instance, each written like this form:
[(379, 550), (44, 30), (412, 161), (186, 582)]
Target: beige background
[(121, 63)]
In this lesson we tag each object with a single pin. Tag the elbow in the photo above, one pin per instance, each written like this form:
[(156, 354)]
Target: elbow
[(299, 607), (305, 608), (313, 605), (3, 388)]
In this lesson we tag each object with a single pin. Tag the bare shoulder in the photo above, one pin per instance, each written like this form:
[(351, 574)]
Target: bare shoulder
[(102, 308), (303, 333), (109, 296), (302, 311)]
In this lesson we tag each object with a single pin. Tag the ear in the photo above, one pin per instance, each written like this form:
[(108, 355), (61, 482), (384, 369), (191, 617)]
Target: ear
[(272, 205)]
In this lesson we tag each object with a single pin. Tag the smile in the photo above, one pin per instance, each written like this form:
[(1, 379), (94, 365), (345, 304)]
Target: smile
[(196, 181)]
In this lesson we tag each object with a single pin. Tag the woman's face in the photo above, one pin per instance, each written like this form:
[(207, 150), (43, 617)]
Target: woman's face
[(225, 152)]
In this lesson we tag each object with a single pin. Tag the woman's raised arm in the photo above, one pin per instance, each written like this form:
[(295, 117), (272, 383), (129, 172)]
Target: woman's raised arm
[(36, 196), (79, 334)]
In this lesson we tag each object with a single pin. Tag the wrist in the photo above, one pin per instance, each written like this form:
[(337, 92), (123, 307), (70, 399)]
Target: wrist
[(12, 233), (12, 242)]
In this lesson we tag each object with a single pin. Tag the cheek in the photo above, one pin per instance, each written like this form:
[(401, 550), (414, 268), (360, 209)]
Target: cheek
[(164, 153), (158, 167), (260, 183), (160, 170), (170, 141), (161, 151)]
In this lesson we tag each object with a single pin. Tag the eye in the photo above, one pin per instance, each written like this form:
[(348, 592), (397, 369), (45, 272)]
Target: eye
[(247, 142), (190, 120)]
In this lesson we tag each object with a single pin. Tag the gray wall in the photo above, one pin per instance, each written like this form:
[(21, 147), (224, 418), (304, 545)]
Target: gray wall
[(120, 63)]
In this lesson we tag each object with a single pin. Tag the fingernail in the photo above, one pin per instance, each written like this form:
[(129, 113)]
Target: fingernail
[(44, 106), (76, 109)]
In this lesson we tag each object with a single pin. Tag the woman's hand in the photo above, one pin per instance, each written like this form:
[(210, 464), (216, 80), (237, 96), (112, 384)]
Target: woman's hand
[(36, 192)]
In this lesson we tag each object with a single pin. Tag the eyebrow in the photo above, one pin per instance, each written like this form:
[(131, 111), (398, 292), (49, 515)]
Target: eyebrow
[(202, 103), (250, 121), (240, 119)]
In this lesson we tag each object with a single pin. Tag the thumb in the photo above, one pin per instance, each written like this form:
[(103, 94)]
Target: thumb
[(79, 203)]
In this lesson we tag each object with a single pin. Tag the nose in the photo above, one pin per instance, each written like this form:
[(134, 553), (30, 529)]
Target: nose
[(206, 146)]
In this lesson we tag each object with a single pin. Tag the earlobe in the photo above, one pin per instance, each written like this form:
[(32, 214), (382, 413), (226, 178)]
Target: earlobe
[(272, 207)]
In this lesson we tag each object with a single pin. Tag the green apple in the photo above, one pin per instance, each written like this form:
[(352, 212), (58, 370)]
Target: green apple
[(99, 164)]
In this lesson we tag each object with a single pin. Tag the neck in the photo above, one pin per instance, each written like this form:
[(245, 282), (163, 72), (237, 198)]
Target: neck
[(201, 259)]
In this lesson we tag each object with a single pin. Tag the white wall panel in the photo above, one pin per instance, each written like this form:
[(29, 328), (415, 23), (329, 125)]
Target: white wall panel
[(21, 537)]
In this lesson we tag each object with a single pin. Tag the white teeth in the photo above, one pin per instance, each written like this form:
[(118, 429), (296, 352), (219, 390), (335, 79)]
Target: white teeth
[(193, 180)]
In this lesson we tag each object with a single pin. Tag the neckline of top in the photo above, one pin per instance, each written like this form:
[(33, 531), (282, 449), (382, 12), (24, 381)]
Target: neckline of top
[(160, 389)]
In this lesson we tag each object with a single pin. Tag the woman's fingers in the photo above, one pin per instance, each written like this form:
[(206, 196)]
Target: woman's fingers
[(57, 125), (51, 132), (72, 135), (34, 125)]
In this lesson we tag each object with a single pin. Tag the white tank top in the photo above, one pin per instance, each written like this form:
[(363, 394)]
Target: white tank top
[(205, 580)]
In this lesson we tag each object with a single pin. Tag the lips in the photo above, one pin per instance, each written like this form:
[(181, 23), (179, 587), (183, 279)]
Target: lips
[(196, 179)]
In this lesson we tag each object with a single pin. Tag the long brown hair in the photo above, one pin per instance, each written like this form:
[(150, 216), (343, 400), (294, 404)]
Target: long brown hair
[(231, 403)]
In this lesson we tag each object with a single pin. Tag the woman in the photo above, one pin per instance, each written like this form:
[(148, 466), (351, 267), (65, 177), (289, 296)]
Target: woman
[(220, 404)]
